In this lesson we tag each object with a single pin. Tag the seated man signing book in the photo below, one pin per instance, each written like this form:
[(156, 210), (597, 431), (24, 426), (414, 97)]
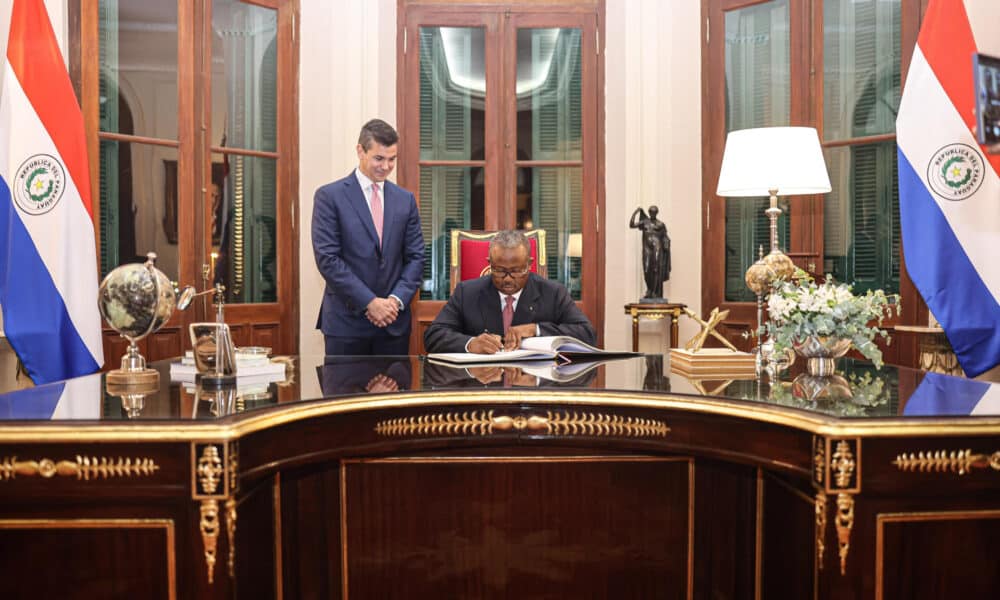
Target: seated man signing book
[(497, 311)]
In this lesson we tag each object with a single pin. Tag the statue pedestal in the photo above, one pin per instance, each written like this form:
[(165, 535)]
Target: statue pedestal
[(654, 311)]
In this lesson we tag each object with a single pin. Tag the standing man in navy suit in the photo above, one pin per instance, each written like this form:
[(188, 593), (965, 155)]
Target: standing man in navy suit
[(370, 250)]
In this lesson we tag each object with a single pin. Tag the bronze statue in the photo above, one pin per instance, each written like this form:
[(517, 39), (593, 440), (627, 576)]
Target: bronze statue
[(655, 252)]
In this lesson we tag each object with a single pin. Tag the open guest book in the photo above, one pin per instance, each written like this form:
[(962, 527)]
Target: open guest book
[(562, 348)]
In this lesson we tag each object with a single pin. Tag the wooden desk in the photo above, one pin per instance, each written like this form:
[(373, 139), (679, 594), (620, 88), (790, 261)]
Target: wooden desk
[(639, 310), (458, 489)]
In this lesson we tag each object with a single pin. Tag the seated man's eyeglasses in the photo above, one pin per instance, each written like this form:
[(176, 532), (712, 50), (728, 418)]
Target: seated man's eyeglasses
[(501, 273)]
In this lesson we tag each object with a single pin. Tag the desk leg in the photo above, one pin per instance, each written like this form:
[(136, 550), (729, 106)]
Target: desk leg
[(674, 318), (635, 333)]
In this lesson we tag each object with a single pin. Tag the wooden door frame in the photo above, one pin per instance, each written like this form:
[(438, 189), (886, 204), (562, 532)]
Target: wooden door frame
[(413, 14)]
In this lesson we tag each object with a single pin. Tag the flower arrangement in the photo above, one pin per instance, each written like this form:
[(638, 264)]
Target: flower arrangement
[(801, 308)]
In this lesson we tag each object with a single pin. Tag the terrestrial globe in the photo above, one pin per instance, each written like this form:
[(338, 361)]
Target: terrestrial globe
[(136, 300)]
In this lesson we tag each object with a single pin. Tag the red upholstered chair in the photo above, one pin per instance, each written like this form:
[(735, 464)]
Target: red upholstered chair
[(470, 253)]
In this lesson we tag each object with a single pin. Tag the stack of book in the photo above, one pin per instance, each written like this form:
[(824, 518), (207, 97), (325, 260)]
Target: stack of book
[(249, 367), (719, 363)]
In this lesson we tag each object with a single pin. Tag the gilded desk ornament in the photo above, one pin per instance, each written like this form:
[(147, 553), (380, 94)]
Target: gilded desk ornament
[(214, 473), (943, 461), (209, 469), (83, 468), (843, 463), (820, 527), (553, 423), (841, 472), (819, 459)]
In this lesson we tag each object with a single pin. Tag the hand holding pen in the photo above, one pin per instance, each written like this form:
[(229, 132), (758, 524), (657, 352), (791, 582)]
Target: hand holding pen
[(486, 343)]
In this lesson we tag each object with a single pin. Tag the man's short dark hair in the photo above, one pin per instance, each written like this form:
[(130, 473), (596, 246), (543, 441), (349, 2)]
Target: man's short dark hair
[(379, 131), (510, 238)]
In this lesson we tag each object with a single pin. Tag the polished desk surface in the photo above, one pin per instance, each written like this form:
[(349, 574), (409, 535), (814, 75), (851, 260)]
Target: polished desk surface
[(892, 394)]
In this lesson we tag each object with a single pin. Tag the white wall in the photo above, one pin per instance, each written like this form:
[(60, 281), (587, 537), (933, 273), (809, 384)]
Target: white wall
[(653, 156), (653, 143), (347, 75)]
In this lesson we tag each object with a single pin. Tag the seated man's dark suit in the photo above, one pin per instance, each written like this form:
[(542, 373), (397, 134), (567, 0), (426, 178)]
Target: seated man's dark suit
[(474, 307)]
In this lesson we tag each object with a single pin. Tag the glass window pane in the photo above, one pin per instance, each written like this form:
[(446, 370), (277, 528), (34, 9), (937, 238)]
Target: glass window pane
[(138, 67), (861, 56), (747, 232), (244, 75), (758, 71), (243, 194), (758, 94), (861, 217), (548, 94), (138, 205), (450, 198), (552, 200), (452, 93)]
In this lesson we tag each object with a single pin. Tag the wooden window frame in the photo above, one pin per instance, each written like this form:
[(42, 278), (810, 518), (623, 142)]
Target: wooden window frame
[(273, 324), (807, 235)]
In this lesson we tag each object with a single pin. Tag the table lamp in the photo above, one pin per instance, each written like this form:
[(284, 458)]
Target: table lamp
[(769, 161)]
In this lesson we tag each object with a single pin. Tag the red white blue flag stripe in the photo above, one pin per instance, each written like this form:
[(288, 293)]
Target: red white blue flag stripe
[(949, 189), (48, 263)]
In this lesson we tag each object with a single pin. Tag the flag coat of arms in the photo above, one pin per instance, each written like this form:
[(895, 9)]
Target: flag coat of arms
[(48, 263), (949, 188)]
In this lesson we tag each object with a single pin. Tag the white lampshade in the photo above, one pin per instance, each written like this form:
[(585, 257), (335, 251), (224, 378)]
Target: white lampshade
[(575, 247), (787, 159)]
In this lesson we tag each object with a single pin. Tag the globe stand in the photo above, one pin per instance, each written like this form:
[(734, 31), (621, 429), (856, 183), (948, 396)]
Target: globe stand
[(133, 371)]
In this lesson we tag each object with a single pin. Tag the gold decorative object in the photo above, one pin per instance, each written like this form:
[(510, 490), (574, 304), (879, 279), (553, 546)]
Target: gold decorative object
[(843, 464), (83, 468), (820, 528), (209, 469), (210, 533), (708, 328), (942, 461), (553, 423), (215, 478), (845, 521), (838, 473), (231, 534), (234, 453), (819, 459)]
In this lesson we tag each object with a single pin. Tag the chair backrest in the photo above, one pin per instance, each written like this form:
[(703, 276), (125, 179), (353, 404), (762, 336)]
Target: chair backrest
[(470, 253)]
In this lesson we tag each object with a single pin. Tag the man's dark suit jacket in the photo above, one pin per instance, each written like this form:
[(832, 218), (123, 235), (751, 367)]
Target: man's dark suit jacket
[(474, 307), (353, 263)]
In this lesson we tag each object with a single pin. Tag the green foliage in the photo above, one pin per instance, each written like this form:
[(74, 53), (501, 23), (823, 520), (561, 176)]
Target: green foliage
[(802, 308)]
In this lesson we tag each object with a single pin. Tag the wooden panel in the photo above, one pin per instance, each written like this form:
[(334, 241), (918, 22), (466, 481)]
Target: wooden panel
[(516, 528), (310, 537), (241, 333), (255, 544), (265, 334), (724, 530), (939, 555), (115, 346), (53, 559), (787, 543), (165, 343)]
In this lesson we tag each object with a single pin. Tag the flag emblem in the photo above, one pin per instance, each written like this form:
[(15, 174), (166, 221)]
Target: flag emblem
[(39, 184), (955, 172)]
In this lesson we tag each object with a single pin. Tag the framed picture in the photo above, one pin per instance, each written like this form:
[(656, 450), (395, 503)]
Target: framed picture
[(170, 200)]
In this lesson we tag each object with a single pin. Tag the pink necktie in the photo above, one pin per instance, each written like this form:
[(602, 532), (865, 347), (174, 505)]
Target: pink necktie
[(508, 313), (377, 211)]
